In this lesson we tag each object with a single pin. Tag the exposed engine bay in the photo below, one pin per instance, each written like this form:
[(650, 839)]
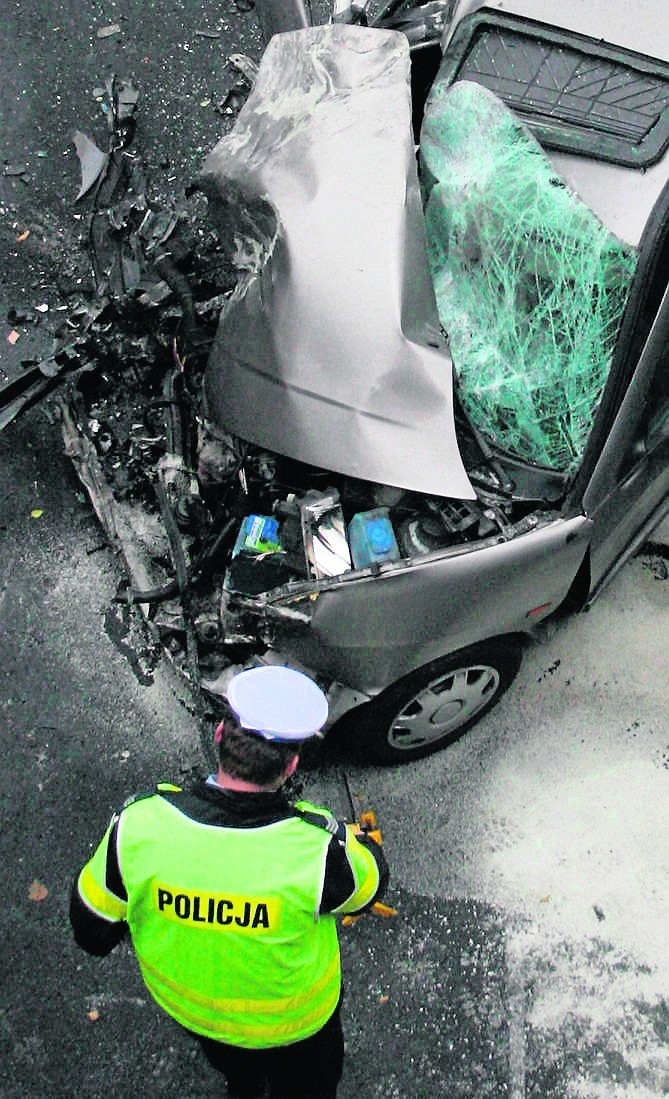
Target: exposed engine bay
[(232, 542)]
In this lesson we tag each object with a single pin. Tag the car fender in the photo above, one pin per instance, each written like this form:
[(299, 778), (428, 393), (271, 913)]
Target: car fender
[(369, 629)]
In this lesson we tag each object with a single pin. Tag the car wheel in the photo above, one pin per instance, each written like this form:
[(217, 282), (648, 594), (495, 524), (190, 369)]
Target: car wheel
[(433, 706)]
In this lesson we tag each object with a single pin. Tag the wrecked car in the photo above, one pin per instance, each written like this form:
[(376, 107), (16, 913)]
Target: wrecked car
[(434, 416)]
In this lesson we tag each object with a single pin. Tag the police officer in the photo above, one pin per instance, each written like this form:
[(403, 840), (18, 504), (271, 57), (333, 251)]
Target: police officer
[(229, 892)]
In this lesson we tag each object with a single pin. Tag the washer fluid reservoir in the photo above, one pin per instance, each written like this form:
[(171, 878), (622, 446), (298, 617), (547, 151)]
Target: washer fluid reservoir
[(372, 538)]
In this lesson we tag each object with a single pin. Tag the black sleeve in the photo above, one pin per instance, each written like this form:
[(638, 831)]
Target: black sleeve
[(93, 934)]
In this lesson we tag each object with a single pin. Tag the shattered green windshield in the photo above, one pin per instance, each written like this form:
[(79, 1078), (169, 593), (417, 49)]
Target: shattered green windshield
[(530, 285)]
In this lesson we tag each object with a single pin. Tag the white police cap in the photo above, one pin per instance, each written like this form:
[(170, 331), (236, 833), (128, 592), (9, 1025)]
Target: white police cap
[(277, 702)]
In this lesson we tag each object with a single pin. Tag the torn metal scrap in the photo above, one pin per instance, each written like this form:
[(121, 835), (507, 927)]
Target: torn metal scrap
[(21, 393), (245, 65), (235, 97), (144, 253)]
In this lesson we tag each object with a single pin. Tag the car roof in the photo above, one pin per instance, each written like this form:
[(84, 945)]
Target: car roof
[(641, 26), (622, 197)]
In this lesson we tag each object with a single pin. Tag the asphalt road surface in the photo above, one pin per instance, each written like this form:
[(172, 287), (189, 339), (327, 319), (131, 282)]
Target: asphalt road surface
[(530, 868)]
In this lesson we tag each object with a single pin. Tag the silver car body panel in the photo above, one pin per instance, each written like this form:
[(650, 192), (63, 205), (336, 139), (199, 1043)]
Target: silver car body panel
[(621, 197), (368, 630), (335, 330)]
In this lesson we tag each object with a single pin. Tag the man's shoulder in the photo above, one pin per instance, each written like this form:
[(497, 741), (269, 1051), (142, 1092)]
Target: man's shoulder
[(317, 815), (160, 789)]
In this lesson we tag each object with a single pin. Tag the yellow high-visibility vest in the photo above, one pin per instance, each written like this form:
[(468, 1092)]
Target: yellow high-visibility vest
[(225, 921)]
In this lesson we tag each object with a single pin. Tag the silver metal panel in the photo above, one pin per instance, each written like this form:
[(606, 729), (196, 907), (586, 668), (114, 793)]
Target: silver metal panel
[(324, 354), (368, 631), (629, 482), (621, 197)]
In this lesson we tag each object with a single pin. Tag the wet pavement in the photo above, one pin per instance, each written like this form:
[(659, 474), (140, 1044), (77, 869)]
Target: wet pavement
[(527, 960)]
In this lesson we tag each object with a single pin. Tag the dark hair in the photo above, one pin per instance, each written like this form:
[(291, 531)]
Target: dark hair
[(250, 757)]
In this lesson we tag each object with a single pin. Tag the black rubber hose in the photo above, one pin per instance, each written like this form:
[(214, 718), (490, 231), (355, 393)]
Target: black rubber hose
[(151, 595), (179, 285)]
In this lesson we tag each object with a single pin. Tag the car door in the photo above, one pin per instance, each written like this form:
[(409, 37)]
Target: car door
[(629, 490)]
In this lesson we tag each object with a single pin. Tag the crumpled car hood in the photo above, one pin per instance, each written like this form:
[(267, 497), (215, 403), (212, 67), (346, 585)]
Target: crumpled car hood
[(329, 351)]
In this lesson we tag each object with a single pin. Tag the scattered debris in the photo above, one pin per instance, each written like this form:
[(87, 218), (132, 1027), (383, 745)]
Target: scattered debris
[(235, 97), (550, 670), (245, 65), (655, 562), (38, 891), (108, 31)]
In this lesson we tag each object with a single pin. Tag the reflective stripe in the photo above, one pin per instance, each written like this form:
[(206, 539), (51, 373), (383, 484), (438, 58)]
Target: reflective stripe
[(243, 1033), (98, 898), (278, 1005), (247, 1022), (358, 855)]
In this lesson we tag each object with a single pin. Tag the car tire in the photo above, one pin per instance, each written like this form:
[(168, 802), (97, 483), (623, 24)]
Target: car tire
[(433, 706)]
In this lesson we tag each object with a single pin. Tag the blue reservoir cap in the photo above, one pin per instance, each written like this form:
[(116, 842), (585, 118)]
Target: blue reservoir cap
[(380, 535)]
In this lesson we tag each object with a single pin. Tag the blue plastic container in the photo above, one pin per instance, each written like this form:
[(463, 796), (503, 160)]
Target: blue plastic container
[(258, 534), (372, 538)]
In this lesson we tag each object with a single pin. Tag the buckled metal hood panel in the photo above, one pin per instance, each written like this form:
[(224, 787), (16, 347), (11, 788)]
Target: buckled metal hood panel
[(329, 350)]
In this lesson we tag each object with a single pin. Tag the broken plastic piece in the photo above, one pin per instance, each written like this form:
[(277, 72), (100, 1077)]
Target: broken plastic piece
[(530, 285), (245, 65), (92, 160)]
